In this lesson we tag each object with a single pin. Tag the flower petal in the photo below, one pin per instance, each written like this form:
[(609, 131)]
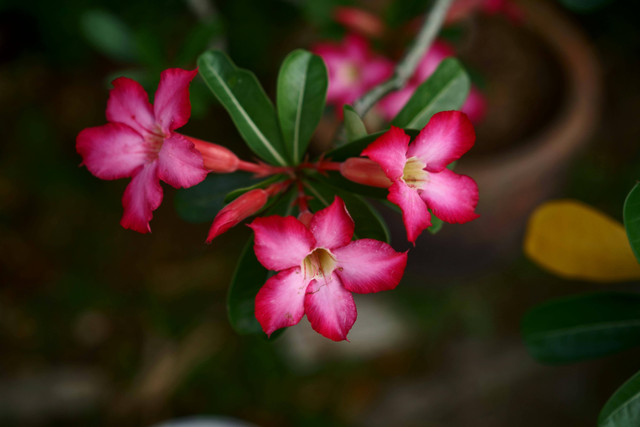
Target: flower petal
[(389, 151), (415, 215), (367, 265), (390, 105), (330, 308), (111, 151), (438, 52), (171, 105), (475, 107), (280, 302), (129, 104), (237, 210), (141, 197), (451, 197), (447, 136), (332, 226), (179, 163), (281, 242)]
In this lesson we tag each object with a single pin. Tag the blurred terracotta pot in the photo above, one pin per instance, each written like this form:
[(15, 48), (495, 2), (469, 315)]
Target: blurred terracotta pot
[(514, 179)]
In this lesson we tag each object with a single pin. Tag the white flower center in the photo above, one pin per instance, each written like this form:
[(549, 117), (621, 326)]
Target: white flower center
[(319, 263), (414, 174)]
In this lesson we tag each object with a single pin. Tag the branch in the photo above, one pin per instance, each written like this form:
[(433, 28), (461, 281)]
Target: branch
[(407, 66)]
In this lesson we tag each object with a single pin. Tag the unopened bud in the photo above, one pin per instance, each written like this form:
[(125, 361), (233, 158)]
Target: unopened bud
[(359, 21), (236, 211), (364, 171), (216, 157)]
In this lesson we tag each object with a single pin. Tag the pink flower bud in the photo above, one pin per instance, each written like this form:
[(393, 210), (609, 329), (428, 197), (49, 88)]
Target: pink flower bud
[(364, 171), (359, 21), (236, 211), (216, 157)]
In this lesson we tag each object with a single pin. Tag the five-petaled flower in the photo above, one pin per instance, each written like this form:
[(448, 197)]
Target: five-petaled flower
[(418, 173), (319, 266), (139, 142), (353, 69)]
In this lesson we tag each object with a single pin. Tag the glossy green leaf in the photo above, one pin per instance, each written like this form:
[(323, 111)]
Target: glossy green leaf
[(249, 277), (354, 148), (436, 224), (623, 408), (446, 89), (252, 112), (202, 202), (582, 327), (302, 90), (109, 35), (631, 213), (368, 222), (353, 124)]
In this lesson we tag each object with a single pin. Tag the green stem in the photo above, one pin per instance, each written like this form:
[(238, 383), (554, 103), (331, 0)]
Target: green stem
[(407, 66)]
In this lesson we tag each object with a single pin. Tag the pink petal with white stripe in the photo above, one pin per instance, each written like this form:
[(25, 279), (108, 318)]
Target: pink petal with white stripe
[(171, 105), (451, 197), (129, 104), (281, 242), (280, 302), (415, 215), (447, 136), (390, 152), (367, 266), (332, 226), (111, 151), (141, 197), (179, 163), (330, 308)]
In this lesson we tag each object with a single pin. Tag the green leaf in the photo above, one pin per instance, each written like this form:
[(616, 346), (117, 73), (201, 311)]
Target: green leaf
[(252, 112), (302, 90), (446, 89), (582, 327), (338, 181), (249, 277), (631, 214), (436, 224), (109, 35), (353, 124), (623, 408), (202, 202), (368, 222)]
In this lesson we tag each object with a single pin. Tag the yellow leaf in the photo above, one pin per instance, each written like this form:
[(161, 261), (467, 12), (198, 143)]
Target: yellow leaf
[(576, 241)]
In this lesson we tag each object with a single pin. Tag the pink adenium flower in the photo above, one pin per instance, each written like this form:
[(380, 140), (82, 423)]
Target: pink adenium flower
[(139, 142), (420, 179), (390, 105), (318, 267), (353, 69)]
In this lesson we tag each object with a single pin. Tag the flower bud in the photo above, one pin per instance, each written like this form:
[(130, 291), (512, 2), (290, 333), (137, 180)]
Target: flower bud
[(236, 211), (359, 21), (216, 157), (364, 171)]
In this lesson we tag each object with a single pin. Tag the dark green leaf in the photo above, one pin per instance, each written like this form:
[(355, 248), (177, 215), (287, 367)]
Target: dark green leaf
[(631, 214), (109, 35), (240, 93), (623, 408), (354, 148), (302, 89), (338, 181), (249, 277), (582, 327), (353, 124), (436, 224), (368, 222), (446, 89), (202, 202)]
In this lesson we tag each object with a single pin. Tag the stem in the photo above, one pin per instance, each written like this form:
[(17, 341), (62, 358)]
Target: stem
[(407, 66)]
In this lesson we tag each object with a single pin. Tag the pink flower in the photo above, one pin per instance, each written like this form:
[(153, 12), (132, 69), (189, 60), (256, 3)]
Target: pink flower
[(318, 268), (418, 172), (139, 142), (353, 69), (359, 21), (391, 104)]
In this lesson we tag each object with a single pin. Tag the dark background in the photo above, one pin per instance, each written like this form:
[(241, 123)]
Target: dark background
[(104, 326)]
